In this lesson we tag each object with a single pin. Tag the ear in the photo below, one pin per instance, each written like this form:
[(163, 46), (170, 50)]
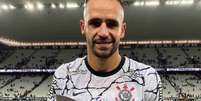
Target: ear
[(82, 26), (123, 30)]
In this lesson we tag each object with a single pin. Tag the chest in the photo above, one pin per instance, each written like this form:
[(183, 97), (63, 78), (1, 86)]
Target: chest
[(116, 88)]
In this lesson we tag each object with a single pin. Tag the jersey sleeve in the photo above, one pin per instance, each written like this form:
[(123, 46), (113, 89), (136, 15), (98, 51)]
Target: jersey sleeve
[(153, 88), (58, 83)]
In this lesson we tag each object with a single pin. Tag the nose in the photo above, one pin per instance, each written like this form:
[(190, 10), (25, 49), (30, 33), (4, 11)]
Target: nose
[(104, 31)]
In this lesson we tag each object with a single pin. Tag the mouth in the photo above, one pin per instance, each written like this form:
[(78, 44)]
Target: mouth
[(103, 41), (103, 45)]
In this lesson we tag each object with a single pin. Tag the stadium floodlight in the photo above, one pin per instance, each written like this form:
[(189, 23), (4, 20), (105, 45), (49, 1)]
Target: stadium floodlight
[(40, 6), (167, 42), (175, 2), (72, 5), (187, 2), (138, 3), (11, 7), (53, 6), (152, 3), (172, 2), (61, 6), (4, 7), (155, 42), (181, 41), (179, 2), (194, 41), (29, 6)]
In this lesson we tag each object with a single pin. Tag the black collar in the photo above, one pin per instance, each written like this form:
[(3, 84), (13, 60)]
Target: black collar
[(105, 74)]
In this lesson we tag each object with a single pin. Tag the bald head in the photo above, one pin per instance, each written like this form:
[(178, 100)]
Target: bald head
[(103, 5), (120, 1)]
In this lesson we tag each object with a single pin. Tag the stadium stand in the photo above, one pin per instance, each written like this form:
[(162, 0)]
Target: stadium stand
[(193, 56), (174, 56), (41, 91), (41, 58), (35, 86), (17, 59), (181, 85), (20, 86)]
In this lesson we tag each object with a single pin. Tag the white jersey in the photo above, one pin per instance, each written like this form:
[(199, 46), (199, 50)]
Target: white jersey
[(130, 81)]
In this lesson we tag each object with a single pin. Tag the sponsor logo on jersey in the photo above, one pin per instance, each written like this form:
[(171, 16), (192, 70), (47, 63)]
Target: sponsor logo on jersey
[(75, 94), (99, 98), (124, 93)]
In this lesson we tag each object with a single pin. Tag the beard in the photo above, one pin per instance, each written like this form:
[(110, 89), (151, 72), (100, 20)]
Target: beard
[(105, 53), (103, 47)]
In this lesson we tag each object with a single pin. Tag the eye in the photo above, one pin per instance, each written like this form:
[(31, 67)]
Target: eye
[(112, 23), (95, 22)]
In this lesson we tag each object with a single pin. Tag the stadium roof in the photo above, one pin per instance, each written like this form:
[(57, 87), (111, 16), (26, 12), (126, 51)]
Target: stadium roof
[(58, 20)]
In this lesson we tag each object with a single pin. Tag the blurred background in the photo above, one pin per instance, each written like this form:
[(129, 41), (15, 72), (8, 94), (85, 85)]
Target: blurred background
[(36, 36)]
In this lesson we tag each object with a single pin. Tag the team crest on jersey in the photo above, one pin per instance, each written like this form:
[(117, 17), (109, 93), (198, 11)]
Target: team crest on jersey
[(125, 93)]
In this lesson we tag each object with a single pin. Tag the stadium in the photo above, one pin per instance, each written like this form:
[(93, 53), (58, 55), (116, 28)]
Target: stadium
[(37, 36)]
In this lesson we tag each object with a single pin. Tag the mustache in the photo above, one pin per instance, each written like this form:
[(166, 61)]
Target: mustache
[(103, 41)]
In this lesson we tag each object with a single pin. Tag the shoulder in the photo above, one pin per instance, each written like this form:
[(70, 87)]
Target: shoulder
[(138, 66), (65, 68), (151, 77)]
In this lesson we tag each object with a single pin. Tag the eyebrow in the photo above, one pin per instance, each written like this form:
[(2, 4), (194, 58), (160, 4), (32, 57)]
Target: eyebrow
[(102, 19), (96, 22)]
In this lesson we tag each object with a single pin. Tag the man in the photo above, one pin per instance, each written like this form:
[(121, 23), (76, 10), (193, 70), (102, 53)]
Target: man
[(104, 75)]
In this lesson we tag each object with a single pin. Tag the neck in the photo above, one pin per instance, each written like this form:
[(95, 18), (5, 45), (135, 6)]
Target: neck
[(104, 64)]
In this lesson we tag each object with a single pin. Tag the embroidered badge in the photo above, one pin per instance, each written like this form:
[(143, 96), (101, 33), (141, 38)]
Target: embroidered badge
[(125, 93)]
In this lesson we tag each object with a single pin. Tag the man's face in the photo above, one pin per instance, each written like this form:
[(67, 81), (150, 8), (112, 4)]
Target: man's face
[(103, 27)]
